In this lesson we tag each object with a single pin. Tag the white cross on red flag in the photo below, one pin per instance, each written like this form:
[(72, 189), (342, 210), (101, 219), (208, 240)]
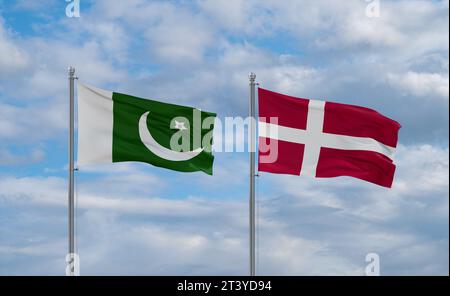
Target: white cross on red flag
[(324, 139)]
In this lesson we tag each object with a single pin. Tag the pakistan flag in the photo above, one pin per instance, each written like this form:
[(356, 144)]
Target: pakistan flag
[(114, 127)]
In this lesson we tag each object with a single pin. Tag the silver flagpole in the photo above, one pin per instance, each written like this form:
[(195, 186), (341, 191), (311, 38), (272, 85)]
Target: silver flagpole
[(252, 77), (71, 174)]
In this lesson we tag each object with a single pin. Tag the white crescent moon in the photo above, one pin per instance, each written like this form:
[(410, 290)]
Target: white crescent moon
[(161, 151)]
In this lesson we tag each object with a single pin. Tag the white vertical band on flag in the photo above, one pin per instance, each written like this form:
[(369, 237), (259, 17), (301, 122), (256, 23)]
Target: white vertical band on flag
[(95, 125), (314, 126)]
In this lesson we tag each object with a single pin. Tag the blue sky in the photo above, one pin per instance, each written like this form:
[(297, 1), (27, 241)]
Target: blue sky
[(137, 219)]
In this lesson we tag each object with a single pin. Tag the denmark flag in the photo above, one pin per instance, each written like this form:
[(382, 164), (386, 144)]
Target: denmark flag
[(323, 139)]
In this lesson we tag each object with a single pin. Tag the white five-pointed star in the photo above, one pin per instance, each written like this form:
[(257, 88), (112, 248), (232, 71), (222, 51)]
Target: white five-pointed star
[(180, 125)]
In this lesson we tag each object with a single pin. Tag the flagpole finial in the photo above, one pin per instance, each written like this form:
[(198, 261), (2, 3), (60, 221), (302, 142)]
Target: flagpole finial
[(252, 77)]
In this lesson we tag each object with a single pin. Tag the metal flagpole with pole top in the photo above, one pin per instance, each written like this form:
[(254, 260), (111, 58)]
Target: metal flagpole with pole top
[(252, 77), (71, 260)]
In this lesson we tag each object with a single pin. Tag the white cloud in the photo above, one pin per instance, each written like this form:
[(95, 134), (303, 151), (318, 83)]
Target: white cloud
[(200, 54), (305, 226), (12, 58), (345, 24), (424, 162), (17, 124), (179, 38), (238, 16), (49, 78), (36, 6), (173, 33), (129, 191), (43, 90), (9, 158), (421, 84)]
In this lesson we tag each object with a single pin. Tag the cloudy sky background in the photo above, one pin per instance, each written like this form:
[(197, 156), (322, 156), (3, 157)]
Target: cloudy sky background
[(136, 219)]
